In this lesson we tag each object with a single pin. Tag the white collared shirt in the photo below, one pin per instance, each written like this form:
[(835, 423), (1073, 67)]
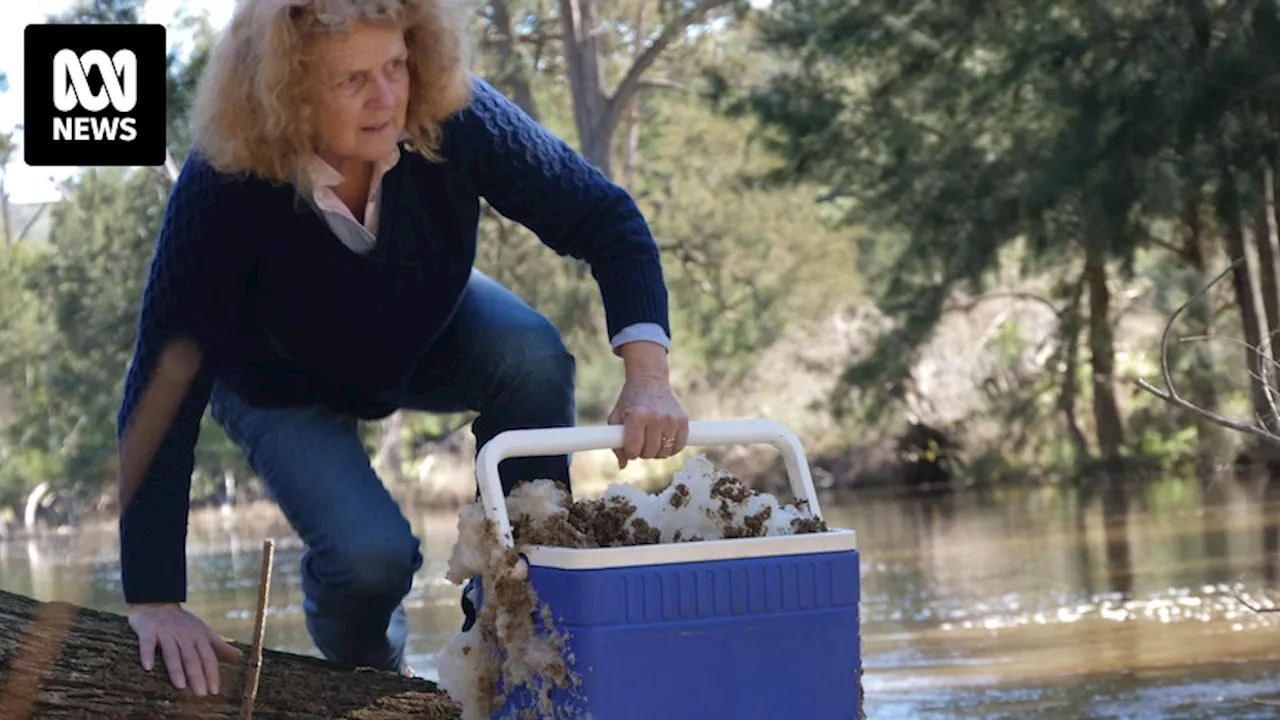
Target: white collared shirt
[(361, 237), (322, 178)]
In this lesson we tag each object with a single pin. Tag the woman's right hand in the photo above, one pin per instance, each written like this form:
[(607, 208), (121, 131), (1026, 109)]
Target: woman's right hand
[(190, 648)]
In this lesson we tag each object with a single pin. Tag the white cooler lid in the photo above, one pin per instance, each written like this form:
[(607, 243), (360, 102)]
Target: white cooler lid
[(834, 540)]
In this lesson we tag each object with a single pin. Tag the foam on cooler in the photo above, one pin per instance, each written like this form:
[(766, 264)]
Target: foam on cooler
[(537, 501), (466, 668), (701, 503)]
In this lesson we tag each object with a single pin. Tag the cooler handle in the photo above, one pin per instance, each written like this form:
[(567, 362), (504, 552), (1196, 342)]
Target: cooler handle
[(542, 442)]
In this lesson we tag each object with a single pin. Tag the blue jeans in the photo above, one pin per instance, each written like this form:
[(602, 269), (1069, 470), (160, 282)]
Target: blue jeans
[(497, 357)]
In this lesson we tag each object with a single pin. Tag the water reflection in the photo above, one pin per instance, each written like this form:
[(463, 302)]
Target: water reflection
[(1113, 600)]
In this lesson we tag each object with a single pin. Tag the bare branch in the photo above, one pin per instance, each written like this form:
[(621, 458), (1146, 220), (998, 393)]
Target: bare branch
[(1240, 598), (1255, 608), (1164, 244), (168, 171), (631, 81), (1266, 361), (513, 69), (1006, 295), (662, 84), (498, 38), (170, 166), (1170, 393), (31, 222), (834, 194), (1266, 366)]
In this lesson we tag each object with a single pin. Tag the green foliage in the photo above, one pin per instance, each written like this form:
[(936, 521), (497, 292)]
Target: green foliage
[(70, 309), (82, 294), (101, 11), (744, 260), (953, 132), (102, 232), (790, 165)]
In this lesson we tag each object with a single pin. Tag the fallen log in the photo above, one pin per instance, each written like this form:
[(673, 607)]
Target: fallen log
[(58, 660)]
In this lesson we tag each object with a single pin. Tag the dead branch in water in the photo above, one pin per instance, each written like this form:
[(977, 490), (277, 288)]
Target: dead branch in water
[(1266, 365), (1170, 393), (1235, 591)]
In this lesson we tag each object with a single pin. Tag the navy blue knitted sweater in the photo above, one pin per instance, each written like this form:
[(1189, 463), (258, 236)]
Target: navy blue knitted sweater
[(284, 313)]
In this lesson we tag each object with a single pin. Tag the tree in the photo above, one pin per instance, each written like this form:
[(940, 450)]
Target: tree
[(7, 149), (1055, 129), (743, 265), (601, 45), (75, 311)]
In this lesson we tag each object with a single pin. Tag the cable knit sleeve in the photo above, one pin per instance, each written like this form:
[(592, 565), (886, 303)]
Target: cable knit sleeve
[(196, 283), (536, 179)]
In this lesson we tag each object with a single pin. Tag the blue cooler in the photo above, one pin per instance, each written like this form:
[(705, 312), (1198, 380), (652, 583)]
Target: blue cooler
[(738, 629)]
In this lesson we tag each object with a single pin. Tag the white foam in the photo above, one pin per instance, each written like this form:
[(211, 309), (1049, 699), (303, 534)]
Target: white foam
[(699, 515)]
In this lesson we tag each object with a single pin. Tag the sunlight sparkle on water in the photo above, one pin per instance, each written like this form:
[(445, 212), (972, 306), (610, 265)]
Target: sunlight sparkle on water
[(1170, 606)]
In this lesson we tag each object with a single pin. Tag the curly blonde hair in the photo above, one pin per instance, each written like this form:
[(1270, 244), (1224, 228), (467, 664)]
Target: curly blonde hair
[(252, 112)]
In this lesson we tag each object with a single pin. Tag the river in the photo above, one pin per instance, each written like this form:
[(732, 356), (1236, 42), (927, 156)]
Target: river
[(1026, 602)]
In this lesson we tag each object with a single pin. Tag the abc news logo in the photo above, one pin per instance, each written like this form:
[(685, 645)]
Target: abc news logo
[(95, 95), (71, 91)]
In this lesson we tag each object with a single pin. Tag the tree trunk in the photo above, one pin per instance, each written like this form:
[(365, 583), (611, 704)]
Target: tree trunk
[(596, 112), (4, 210), (1264, 233), (514, 73), (1201, 389), (1067, 400), (583, 58), (1229, 214), (60, 661), (7, 149), (633, 114), (1106, 411)]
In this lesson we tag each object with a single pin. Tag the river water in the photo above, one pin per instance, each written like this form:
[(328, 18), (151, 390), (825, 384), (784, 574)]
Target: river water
[(1022, 602)]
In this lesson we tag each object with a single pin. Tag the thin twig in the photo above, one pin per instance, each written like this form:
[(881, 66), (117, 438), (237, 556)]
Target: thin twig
[(1236, 341), (1253, 608), (1170, 393), (259, 626), (1240, 598), (1262, 377)]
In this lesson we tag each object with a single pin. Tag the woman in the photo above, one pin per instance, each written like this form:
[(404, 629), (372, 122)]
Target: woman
[(315, 267)]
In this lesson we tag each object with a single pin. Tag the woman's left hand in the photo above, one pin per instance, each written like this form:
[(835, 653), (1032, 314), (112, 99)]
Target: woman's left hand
[(655, 423)]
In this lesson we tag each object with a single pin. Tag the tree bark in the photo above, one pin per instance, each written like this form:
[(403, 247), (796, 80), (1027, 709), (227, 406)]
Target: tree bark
[(1201, 387), (633, 115), (596, 112), (4, 210), (6, 155), (1067, 400), (1229, 214), (514, 72), (1106, 410), (60, 661), (583, 57), (1264, 233)]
